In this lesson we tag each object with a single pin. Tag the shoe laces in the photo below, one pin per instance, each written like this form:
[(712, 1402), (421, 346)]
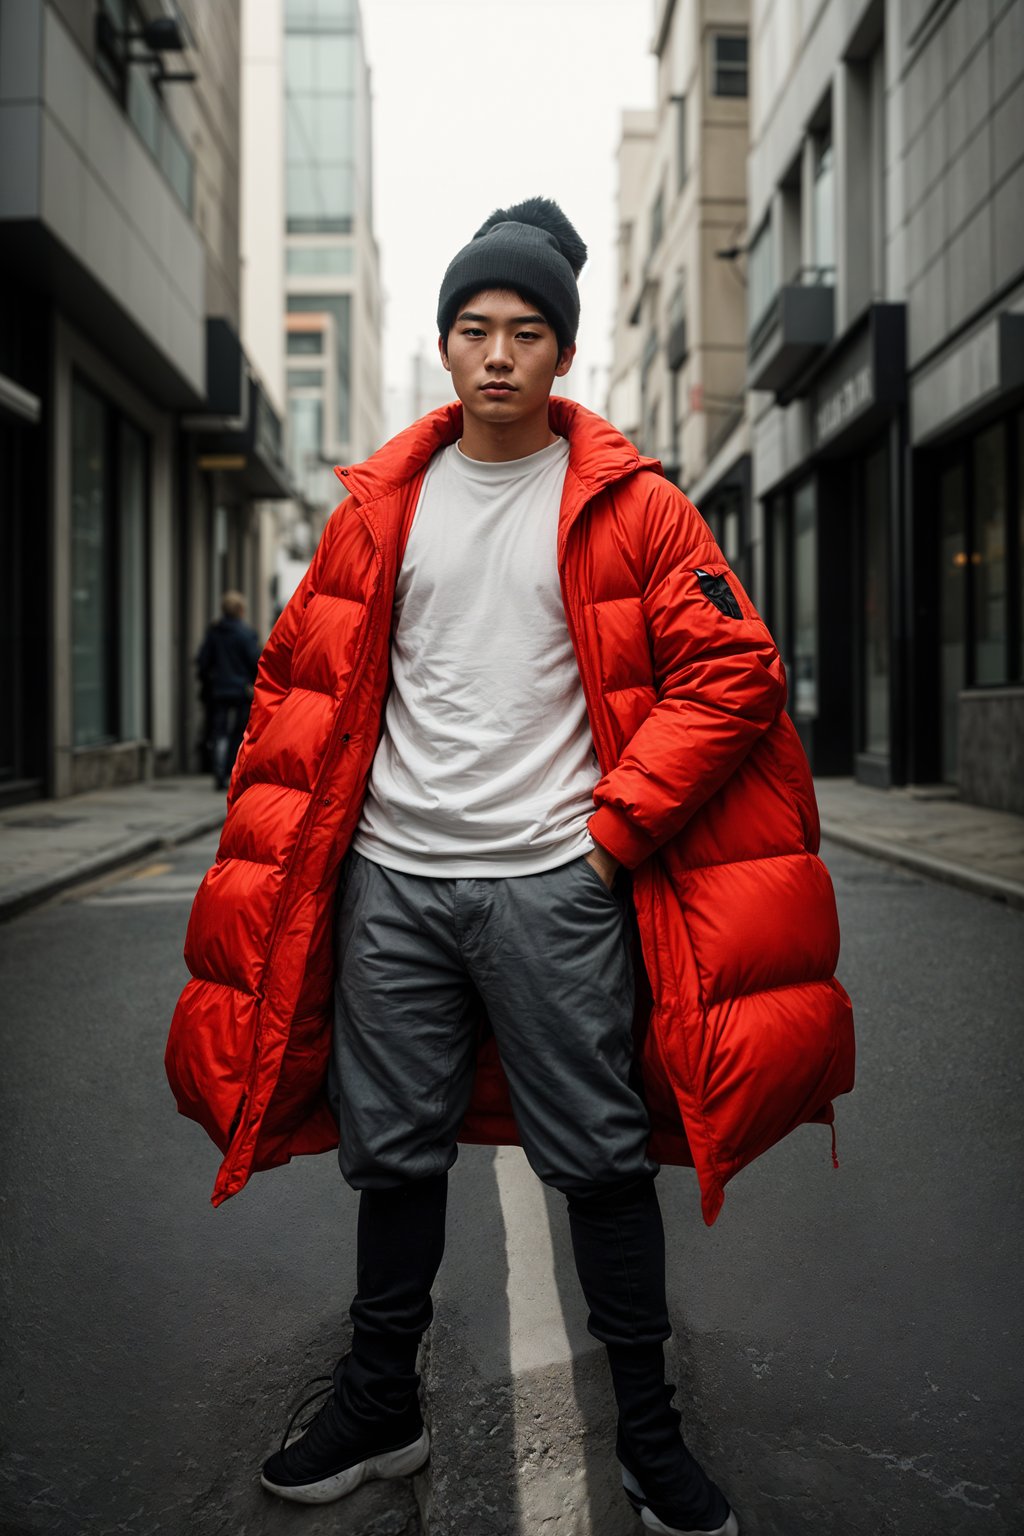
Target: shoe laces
[(314, 1397)]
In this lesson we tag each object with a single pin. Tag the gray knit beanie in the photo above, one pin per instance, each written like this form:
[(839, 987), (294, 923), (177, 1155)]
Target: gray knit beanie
[(531, 249)]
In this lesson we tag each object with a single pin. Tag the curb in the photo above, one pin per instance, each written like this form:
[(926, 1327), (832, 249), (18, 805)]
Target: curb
[(1009, 892), (23, 895)]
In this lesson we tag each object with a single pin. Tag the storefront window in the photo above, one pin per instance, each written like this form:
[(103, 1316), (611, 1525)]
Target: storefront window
[(805, 602), (954, 563), (91, 660), (988, 558), (109, 482), (132, 584), (875, 599)]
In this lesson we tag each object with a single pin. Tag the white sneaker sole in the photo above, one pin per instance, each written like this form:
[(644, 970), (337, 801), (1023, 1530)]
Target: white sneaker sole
[(650, 1521), (400, 1463)]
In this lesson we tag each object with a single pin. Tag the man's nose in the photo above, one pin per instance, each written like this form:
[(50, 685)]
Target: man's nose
[(499, 354)]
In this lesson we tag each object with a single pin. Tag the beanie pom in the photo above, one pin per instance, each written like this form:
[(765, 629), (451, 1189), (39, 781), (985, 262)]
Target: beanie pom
[(544, 214)]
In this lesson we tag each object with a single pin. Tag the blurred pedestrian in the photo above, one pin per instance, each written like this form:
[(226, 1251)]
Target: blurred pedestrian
[(519, 732), (226, 666)]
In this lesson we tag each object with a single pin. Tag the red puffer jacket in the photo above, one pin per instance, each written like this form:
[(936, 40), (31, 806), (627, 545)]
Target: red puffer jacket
[(743, 1033)]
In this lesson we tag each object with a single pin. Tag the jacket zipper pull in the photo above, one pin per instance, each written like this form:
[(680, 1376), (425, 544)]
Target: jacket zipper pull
[(835, 1160)]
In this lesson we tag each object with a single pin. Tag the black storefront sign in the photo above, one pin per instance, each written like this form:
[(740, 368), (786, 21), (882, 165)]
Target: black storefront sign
[(860, 386)]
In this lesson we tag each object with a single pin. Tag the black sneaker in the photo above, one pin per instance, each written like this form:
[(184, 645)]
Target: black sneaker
[(671, 1522), (320, 1462)]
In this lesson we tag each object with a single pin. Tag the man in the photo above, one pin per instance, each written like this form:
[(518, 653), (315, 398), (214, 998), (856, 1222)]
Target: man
[(521, 690), (226, 665)]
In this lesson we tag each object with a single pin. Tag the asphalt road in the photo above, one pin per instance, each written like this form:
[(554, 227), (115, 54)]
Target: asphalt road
[(848, 1342)]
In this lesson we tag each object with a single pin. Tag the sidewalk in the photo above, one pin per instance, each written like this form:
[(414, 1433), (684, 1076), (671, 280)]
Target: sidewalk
[(928, 830), (49, 845)]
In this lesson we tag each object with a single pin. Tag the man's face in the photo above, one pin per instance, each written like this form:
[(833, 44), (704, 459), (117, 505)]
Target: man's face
[(503, 357)]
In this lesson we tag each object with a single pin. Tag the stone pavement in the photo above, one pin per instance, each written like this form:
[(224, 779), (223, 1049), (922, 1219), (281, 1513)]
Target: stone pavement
[(49, 846)]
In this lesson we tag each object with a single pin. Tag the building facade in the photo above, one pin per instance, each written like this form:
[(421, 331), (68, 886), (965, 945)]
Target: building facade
[(679, 371), (134, 432), (886, 359), (881, 517), (332, 267)]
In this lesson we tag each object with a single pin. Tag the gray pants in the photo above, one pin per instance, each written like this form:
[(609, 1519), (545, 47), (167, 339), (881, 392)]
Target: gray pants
[(548, 957)]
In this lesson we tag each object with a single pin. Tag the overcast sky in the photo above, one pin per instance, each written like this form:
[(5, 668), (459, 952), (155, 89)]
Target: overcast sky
[(480, 103)]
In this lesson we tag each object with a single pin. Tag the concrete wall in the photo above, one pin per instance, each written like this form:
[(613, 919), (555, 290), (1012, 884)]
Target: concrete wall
[(991, 748)]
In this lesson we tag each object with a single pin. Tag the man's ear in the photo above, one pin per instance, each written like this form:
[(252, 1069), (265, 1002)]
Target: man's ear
[(443, 350), (565, 358)]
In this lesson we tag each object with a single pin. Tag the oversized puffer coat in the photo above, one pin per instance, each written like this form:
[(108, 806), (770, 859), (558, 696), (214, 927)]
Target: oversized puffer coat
[(742, 1032)]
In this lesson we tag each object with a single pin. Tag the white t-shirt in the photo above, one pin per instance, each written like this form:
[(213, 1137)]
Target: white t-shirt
[(486, 766)]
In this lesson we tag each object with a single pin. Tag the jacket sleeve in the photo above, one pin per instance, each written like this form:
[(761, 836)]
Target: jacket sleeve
[(718, 678), (274, 673)]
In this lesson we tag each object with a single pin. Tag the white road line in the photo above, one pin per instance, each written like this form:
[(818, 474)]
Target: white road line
[(536, 1328), (138, 899)]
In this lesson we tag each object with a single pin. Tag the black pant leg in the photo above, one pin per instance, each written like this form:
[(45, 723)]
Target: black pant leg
[(619, 1245), (401, 1236)]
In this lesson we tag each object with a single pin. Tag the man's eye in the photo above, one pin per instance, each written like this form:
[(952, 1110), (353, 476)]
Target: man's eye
[(472, 330), (529, 335)]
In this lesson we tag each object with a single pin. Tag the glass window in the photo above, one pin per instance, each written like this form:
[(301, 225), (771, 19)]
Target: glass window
[(875, 666), (144, 109), (988, 557), (824, 213), (177, 165), (336, 65), (657, 220), (305, 439), (681, 166), (305, 378), (132, 649), (730, 65), (320, 260), (319, 199), (954, 563), (110, 48), (109, 523), (339, 307), (300, 63), (318, 15), (332, 128), (91, 661), (304, 342), (761, 273), (805, 602)]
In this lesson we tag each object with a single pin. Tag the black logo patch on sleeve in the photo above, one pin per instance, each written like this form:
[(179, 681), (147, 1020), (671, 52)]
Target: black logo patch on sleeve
[(721, 594)]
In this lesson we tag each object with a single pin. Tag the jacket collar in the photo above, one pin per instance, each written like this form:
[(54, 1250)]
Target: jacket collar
[(598, 453)]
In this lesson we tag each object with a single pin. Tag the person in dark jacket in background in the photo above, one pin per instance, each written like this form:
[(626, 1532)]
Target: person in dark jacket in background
[(226, 664)]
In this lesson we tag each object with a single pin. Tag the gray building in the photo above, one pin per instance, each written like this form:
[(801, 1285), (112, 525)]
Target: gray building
[(678, 376), (332, 265), (885, 270), (134, 434)]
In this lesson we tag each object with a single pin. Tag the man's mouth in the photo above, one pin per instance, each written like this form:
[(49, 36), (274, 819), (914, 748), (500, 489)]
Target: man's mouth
[(498, 389)]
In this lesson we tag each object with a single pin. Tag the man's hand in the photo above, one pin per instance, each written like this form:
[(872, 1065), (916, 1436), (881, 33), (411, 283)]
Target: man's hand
[(604, 862)]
